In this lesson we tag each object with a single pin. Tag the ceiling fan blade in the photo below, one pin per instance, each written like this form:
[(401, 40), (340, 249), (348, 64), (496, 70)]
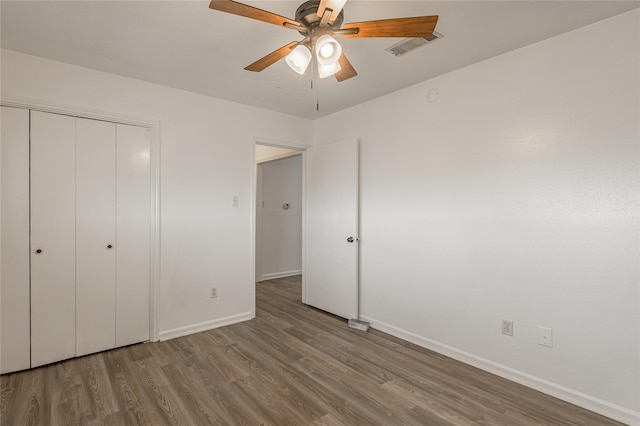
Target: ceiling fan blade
[(335, 6), (419, 26), (247, 11), (272, 57), (346, 69)]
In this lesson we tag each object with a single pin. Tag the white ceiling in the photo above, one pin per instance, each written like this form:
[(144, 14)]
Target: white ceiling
[(184, 44)]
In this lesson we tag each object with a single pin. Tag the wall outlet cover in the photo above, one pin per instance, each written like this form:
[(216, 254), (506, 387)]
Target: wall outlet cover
[(507, 327), (545, 337)]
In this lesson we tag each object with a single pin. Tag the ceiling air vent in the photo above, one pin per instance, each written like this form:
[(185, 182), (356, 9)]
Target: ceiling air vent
[(407, 45)]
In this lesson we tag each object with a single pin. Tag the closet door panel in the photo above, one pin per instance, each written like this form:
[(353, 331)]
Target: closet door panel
[(95, 236), (15, 345), (133, 234), (53, 304)]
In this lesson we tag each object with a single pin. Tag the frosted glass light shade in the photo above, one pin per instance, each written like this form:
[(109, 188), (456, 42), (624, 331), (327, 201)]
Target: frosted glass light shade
[(328, 50), (328, 70), (299, 58)]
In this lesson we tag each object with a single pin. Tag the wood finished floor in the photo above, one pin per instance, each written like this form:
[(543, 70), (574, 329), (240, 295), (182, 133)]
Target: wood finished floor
[(292, 365)]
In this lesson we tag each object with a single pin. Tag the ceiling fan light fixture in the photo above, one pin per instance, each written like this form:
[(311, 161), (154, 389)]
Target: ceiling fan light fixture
[(328, 70), (299, 59), (328, 50)]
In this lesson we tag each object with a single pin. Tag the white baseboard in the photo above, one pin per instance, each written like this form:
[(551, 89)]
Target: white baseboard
[(588, 402), (204, 326), (266, 277)]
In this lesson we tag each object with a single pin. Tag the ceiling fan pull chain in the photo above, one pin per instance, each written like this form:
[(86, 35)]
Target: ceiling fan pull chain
[(314, 66), (317, 89)]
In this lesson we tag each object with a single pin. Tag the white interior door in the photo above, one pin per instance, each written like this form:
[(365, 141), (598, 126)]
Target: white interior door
[(15, 320), (95, 236), (133, 218), (53, 298), (331, 228)]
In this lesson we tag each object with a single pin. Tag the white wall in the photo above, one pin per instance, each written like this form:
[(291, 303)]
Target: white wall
[(281, 230), (206, 157), (509, 189)]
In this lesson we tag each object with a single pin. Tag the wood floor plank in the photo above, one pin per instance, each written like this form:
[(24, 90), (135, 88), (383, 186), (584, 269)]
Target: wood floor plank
[(216, 396), (98, 401), (118, 368), (188, 393), (292, 365), (273, 379)]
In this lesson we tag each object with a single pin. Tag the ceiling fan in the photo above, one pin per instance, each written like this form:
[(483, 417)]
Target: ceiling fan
[(319, 21)]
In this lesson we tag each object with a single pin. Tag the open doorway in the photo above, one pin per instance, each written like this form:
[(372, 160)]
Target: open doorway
[(279, 210)]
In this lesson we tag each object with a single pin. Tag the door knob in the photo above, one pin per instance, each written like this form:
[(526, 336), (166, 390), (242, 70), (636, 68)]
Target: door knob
[(350, 240), (38, 251), (109, 246)]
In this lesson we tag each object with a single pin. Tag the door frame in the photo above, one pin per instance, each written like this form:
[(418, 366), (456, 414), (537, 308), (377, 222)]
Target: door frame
[(254, 193), (153, 125), (259, 200)]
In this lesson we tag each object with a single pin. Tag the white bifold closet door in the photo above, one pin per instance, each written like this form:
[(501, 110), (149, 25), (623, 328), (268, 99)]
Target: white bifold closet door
[(14, 280), (90, 236), (53, 238), (95, 236), (133, 234)]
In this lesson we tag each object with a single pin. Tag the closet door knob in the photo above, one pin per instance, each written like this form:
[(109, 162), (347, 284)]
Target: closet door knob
[(38, 251), (109, 246)]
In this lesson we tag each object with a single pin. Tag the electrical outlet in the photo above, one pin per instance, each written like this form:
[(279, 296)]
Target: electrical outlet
[(545, 337), (213, 292), (507, 327), (234, 201)]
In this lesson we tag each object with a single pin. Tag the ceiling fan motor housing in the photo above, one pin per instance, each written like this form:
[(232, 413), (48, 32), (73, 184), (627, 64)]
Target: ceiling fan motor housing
[(307, 15)]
